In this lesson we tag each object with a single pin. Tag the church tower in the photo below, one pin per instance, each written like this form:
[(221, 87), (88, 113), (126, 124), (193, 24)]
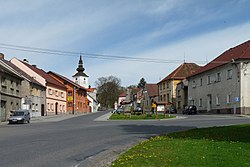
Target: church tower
[(80, 77)]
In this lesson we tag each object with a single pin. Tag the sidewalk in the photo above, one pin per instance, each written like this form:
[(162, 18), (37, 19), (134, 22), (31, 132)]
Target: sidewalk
[(55, 118), (51, 118)]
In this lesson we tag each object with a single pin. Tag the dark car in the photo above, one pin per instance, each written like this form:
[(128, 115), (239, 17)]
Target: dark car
[(190, 110), (173, 111)]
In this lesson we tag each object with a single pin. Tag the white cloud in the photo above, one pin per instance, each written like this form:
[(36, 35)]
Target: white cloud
[(199, 48)]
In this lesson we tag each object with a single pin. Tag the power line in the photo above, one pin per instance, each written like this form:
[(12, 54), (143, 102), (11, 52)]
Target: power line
[(86, 55)]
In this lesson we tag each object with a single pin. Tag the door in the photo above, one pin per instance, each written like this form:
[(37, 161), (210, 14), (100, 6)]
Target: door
[(56, 108), (42, 110), (209, 102)]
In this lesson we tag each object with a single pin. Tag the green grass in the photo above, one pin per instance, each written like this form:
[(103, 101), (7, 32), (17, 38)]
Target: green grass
[(210, 147), (138, 117)]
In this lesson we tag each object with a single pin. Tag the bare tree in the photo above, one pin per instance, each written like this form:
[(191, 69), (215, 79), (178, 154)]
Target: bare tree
[(108, 89)]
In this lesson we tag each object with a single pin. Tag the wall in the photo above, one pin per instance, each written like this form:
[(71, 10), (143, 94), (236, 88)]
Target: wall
[(55, 97), (9, 95), (218, 96), (245, 88)]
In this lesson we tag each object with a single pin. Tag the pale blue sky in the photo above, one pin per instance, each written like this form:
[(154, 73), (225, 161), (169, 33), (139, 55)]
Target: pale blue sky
[(198, 30)]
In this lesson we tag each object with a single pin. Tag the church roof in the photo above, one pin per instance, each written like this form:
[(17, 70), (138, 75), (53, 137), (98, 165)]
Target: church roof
[(80, 69)]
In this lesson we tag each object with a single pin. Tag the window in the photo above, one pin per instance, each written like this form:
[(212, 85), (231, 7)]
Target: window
[(3, 81), (164, 85), (208, 79), (50, 91), (217, 100), (48, 106), (70, 104), (218, 77), (168, 98), (194, 84), (200, 102), (229, 74), (201, 82), (62, 94), (56, 93), (164, 97), (52, 107), (167, 84), (69, 93), (11, 84)]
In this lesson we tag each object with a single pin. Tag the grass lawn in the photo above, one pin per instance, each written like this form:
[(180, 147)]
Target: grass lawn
[(218, 146), (138, 117)]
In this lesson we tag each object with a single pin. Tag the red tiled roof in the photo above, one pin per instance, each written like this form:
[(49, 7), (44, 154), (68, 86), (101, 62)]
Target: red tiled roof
[(182, 72), (47, 77), (22, 73), (241, 51), (91, 89), (123, 94), (67, 80), (152, 89)]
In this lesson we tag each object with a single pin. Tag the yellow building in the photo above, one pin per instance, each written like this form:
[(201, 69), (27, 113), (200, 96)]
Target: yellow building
[(167, 86)]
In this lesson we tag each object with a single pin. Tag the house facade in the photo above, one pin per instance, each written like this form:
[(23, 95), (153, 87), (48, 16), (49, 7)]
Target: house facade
[(9, 90), (55, 91), (181, 95), (167, 86), (76, 95), (222, 86), (32, 93)]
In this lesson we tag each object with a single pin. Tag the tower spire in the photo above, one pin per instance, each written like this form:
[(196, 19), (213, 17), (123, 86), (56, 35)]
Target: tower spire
[(80, 65)]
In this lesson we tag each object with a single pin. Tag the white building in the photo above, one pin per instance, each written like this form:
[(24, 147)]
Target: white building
[(82, 79), (222, 86)]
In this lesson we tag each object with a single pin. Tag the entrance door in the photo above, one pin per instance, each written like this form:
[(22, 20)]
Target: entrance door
[(56, 108), (209, 102), (42, 110)]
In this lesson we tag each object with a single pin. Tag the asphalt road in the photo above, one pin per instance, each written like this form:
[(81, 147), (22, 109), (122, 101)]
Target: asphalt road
[(81, 141)]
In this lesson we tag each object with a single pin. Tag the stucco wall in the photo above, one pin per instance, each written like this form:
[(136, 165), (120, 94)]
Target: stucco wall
[(55, 97), (245, 87), (222, 89)]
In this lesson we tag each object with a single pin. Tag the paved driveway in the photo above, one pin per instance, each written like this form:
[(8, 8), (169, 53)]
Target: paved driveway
[(86, 140)]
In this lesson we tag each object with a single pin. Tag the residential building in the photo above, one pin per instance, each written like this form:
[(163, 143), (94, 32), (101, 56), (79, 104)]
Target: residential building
[(55, 91), (181, 95), (150, 94), (167, 86), (93, 103), (76, 95), (122, 97), (222, 86), (32, 93), (9, 90)]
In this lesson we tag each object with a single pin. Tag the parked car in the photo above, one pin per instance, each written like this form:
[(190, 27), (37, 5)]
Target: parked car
[(138, 110), (119, 110), (190, 110), (19, 116), (173, 111)]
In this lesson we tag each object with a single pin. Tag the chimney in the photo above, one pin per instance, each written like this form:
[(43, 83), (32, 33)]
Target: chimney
[(34, 65), (1, 56)]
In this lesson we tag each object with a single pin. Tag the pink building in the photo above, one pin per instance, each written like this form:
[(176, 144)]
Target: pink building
[(55, 91)]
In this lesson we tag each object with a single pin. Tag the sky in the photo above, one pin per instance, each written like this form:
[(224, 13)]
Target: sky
[(165, 33)]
